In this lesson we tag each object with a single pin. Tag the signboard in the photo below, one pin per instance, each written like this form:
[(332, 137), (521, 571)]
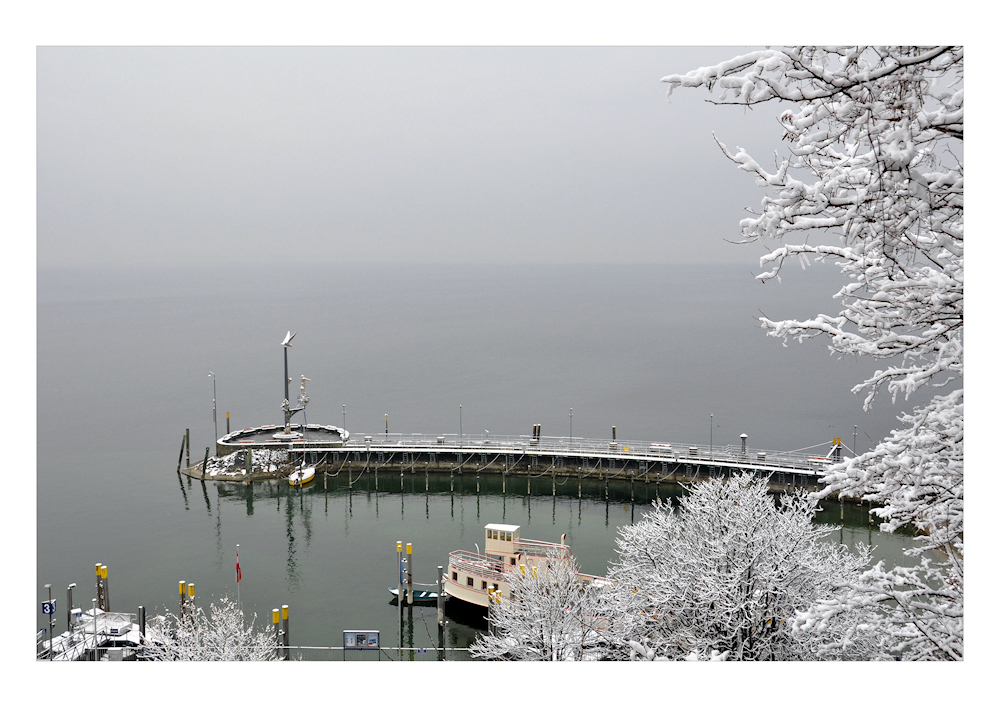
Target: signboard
[(49, 607), (361, 640), (361, 644)]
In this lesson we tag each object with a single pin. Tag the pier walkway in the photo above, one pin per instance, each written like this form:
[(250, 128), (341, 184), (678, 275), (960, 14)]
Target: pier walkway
[(586, 451)]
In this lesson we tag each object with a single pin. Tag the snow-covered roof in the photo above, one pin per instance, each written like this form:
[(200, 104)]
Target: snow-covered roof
[(502, 528)]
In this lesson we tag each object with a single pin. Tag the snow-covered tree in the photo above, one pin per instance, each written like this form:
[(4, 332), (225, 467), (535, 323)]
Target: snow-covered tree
[(876, 160), (549, 615), (221, 635), (723, 577)]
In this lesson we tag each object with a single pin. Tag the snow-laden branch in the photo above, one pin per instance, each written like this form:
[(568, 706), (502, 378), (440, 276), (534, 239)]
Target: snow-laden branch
[(549, 615), (875, 159)]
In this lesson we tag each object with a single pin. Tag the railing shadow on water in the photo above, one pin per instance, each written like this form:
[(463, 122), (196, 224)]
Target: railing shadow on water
[(601, 486)]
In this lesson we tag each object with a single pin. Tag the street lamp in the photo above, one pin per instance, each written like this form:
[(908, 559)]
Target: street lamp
[(571, 426), (52, 619), (214, 421)]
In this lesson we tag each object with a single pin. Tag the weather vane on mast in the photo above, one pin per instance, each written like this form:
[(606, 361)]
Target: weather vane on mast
[(287, 433)]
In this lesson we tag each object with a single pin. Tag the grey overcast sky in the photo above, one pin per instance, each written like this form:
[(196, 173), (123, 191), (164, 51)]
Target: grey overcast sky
[(175, 155)]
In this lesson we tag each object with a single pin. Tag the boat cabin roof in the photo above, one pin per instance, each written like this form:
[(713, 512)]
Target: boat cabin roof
[(503, 528)]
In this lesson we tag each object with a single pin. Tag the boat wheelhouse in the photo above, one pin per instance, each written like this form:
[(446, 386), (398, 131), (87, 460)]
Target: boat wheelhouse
[(472, 577)]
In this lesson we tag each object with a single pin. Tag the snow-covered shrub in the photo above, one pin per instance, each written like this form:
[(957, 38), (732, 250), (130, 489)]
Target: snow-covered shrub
[(550, 615), (222, 634), (724, 576)]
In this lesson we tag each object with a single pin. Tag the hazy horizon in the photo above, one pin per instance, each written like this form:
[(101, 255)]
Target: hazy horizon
[(174, 155)]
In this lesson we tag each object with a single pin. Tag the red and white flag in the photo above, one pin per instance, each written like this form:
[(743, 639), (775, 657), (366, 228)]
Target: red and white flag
[(239, 575)]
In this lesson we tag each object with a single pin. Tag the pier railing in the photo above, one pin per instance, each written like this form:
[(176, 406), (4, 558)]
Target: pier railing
[(592, 448), (479, 565)]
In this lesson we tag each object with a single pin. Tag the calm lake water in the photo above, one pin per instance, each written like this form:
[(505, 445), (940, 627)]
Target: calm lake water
[(122, 369)]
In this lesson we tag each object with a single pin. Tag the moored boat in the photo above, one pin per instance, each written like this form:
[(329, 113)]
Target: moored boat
[(302, 476), (420, 596), (472, 577)]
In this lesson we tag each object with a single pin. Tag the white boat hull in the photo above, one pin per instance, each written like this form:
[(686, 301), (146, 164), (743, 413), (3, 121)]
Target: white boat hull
[(302, 476)]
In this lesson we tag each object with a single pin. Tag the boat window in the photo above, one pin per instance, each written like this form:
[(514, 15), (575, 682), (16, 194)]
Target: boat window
[(468, 581), (484, 584), (454, 576), (512, 560)]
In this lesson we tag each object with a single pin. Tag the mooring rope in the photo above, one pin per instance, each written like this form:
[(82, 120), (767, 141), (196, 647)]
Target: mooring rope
[(793, 451)]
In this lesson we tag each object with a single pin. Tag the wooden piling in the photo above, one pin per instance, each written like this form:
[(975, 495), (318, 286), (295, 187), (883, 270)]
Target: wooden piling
[(180, 457), (284, 629), (409, 574), (440, 596), (275, 617)]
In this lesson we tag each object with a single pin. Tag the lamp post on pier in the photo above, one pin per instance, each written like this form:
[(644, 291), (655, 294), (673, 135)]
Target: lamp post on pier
[(214, 420), (571, 427)]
